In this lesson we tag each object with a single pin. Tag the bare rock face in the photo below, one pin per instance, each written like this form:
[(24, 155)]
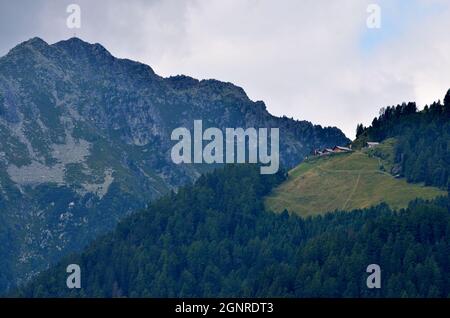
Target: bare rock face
[(85, 140)]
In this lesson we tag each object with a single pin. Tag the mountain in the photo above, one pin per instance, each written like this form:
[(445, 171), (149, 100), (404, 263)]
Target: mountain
[(85, 140), (347, 181), (215, 239)]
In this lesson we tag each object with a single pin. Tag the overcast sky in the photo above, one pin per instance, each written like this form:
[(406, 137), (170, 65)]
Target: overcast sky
[(308, 59)]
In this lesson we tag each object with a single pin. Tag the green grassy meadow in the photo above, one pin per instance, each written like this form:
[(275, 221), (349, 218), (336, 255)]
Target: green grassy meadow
[(344, 182)]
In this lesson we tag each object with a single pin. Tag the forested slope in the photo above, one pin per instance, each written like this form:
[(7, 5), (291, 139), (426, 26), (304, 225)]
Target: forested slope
[(216, 239), (423, 148)]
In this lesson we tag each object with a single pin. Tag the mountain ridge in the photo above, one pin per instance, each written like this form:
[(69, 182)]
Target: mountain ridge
[(85, 140)]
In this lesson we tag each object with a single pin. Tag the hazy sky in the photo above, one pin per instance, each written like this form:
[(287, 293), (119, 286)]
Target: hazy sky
[(308, 59)]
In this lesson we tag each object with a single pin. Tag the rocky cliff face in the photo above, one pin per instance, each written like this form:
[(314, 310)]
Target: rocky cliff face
[(85, 140)]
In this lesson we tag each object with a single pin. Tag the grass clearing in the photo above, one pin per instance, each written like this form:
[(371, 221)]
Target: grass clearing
[(343, 182)]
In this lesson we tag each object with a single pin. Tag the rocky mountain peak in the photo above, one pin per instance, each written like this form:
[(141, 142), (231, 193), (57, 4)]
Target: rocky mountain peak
[(36, 43), (75, 46)]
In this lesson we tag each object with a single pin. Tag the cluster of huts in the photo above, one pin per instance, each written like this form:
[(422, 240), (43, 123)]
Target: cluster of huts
[(340, 149), (371, 144), (329, 151)]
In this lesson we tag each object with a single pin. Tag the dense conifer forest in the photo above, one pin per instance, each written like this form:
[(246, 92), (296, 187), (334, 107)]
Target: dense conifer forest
[(215, 239), (423, 140)]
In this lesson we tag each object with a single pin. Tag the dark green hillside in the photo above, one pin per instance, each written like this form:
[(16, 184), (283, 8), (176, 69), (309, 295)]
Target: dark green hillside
[(215, 239), (423, 148)]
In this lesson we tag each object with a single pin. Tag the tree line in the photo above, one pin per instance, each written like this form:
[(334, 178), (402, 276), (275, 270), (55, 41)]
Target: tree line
[(423, 140)]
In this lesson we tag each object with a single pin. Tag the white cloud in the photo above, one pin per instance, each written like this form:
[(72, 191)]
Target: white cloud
[(305, 59)]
